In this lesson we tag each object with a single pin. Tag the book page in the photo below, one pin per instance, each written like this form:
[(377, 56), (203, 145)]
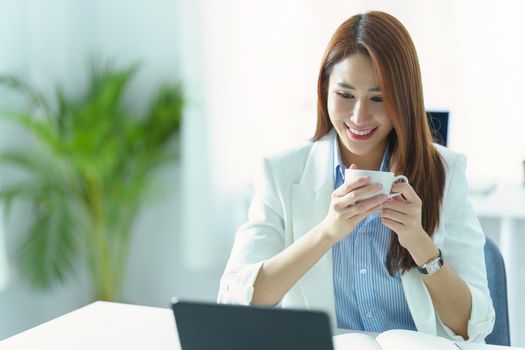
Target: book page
[(410, 340), (351, 341)]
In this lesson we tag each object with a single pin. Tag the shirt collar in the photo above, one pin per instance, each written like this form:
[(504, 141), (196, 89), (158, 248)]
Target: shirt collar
[(339, 167)]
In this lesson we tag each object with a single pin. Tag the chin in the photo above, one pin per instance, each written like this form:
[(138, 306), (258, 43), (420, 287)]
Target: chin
[(360, 148)]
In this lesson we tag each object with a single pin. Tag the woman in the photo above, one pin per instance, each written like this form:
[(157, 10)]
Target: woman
[(411, 262)]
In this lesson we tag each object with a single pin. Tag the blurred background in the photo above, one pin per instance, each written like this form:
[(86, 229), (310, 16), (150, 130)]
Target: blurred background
[(248, 73)]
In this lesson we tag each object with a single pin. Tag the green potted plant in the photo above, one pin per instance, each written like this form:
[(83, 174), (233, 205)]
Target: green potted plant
[(88, 174)]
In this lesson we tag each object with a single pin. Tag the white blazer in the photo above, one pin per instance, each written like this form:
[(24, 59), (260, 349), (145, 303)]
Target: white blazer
[(292, 195)]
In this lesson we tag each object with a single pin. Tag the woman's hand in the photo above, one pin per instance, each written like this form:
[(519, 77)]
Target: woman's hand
[(344, 213), (402, 214)]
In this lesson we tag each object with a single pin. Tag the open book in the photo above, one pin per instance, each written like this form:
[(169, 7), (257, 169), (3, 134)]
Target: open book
[(398, 339)]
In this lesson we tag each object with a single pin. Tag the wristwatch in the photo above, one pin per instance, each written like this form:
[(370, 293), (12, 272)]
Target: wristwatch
[(432, 266)]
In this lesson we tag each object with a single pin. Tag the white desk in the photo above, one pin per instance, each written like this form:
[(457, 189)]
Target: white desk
[(507, 204), (100, 326), (103, 325)]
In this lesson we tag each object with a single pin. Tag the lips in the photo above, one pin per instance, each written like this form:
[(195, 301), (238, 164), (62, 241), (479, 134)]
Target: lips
[(360, 134)]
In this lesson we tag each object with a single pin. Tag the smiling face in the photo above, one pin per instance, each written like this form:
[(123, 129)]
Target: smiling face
[(357, 111)]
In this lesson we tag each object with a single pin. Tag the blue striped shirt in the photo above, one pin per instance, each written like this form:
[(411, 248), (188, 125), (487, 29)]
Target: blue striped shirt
[(367, 298)]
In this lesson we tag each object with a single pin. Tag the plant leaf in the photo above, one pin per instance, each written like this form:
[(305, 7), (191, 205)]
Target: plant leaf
[(41, 129), (35, 99), (50, 249)]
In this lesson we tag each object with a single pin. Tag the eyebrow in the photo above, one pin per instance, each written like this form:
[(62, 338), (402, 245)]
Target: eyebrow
[(348, 86)]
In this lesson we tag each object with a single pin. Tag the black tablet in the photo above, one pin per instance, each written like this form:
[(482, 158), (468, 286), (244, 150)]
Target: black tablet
[(207, 326)]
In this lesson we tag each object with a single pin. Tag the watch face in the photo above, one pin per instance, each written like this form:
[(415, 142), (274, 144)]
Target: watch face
[(434, 265), (431, 268)]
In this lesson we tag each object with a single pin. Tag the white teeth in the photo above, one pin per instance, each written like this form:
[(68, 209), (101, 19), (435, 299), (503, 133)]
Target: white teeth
[(361, 132)]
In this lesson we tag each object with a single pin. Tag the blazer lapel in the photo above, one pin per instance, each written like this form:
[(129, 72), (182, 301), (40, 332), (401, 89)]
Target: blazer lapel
[(310, 200)]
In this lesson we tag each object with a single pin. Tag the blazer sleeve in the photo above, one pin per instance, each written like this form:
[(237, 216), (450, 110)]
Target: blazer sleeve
[(463, 249), (259, 239)]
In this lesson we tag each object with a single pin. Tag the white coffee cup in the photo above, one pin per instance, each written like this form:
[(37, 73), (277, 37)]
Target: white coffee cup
[(387, 179)]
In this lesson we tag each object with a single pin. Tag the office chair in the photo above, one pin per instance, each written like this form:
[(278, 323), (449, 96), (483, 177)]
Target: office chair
[(497, 281)]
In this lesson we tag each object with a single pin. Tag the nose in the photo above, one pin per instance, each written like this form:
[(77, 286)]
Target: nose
[(360, 114)]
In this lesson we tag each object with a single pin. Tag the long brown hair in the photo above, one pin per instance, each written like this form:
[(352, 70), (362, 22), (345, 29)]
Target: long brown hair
[(385, 40)]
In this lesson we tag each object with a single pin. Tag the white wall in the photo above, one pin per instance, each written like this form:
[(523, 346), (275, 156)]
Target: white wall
[(250, 70)]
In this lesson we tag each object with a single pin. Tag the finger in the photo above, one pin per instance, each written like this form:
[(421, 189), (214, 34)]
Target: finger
[(400, 198), (358, 218), (366, 205), (361, 216), (376, 209), (393, 225), (407, 190), (397, 196), (394, 215), (360, 193), (398, 205), (408, 209), (349, 186)]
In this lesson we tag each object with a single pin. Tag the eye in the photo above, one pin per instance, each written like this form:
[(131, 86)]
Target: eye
[(344, 94), (377, 99)]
